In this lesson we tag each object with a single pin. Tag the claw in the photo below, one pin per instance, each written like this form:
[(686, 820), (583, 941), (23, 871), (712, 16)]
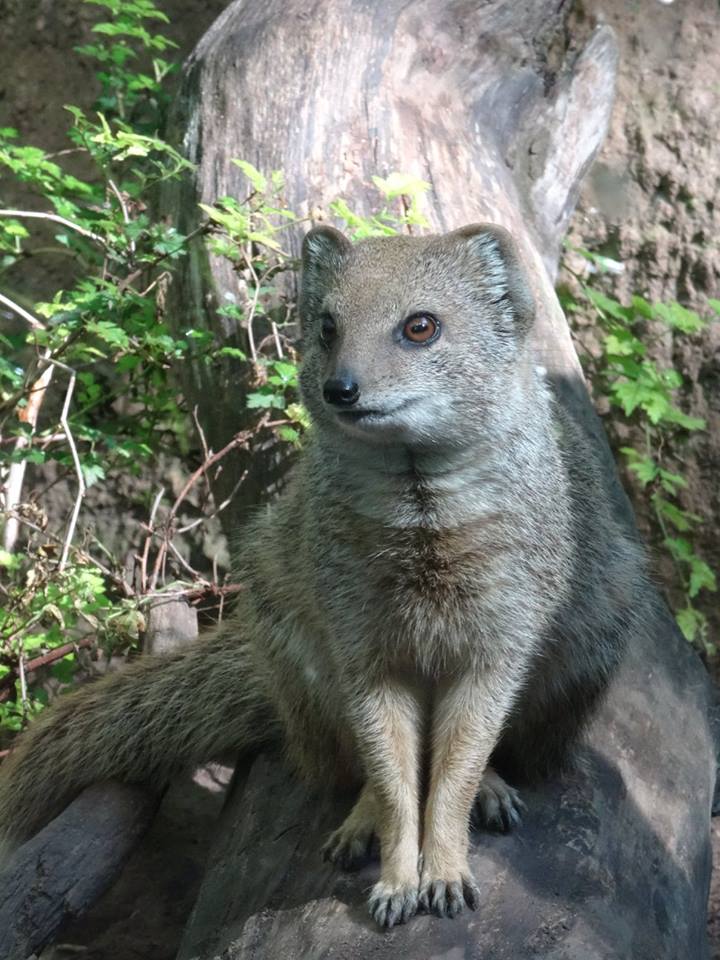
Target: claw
[(392, 906), (346, 850), (498, 806), (448, 899)]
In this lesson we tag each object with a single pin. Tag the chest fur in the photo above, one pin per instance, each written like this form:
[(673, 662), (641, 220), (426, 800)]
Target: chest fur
[(434, 597)]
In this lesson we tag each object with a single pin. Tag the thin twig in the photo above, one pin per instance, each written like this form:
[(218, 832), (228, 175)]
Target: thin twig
[(240, 439), (253, 307), (43, 660), (123, 207), (76, 461), (36, 618), (56, 218), (201, 433), (149, 264), (198, 577), (151, 530), (79, 552), (211, 516), (16, 474), (159, 279), (278, 345), (22, 312), (23, 682), (203, 443)]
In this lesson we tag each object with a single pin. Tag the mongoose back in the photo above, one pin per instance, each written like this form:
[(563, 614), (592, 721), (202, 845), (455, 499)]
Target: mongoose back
[(439, 596)]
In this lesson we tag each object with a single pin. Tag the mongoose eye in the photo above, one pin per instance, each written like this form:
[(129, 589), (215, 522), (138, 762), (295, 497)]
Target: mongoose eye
[(328, 329), (421, 328)]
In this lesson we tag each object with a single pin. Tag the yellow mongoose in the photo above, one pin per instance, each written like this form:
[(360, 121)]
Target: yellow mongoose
[(441, 592)]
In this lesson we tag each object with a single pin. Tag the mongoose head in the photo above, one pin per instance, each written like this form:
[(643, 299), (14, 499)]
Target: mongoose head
[(412, 341)]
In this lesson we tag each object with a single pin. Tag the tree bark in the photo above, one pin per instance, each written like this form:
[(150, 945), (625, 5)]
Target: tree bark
[(487, 101)]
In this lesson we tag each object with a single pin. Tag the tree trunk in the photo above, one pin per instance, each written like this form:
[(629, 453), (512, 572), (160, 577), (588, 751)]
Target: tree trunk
[(488, 102)]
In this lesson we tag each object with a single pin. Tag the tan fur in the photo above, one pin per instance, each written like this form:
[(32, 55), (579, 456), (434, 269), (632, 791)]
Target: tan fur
[(442, 583)]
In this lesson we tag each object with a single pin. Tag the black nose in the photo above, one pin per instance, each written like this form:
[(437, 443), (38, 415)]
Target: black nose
[(341, 391)]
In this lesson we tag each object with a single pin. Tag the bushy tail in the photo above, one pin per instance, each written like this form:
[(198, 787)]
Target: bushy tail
[(141, 724)]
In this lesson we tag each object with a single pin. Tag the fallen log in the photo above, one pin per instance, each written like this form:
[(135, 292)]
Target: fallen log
[(63, 870)]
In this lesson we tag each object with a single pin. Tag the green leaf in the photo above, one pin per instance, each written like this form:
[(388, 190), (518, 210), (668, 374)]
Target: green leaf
[(674, 415), (110, 333), (679, 547), (682, 520), (298, 413), (689, 620), (64, 670), (231, 352), (289, 434), (401, 184), (645, 469), (701, 577), (628, 394), (607, 305), (678, 317), (9, 561), (641, 306), (671, 482), (92, 472), (265, 400), (258, 181), (623, 343)]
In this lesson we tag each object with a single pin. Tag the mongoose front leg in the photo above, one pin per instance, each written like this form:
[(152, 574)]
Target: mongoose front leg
[(350, 843), (388, 724), (498, 806), (467, 718)]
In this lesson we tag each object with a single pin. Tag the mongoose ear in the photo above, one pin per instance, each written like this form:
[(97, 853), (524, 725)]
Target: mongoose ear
[(323, 250), (500, 273)]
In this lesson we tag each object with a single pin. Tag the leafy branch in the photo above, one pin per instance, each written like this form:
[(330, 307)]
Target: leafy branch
[(644, 396)]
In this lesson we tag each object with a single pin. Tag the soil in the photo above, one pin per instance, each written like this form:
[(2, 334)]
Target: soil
[(651, 201)]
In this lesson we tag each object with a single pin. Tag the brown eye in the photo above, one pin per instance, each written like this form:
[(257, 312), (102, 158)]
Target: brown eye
[(328, 329), (421, 328)]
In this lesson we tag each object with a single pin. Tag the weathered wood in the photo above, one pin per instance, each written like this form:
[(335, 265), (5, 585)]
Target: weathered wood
[(171, 624), (65, 868), (483, 99)]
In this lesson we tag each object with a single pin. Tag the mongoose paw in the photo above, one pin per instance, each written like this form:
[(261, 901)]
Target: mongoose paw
[(446, 898), (348, 847), (392, 905), (498, 806)]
